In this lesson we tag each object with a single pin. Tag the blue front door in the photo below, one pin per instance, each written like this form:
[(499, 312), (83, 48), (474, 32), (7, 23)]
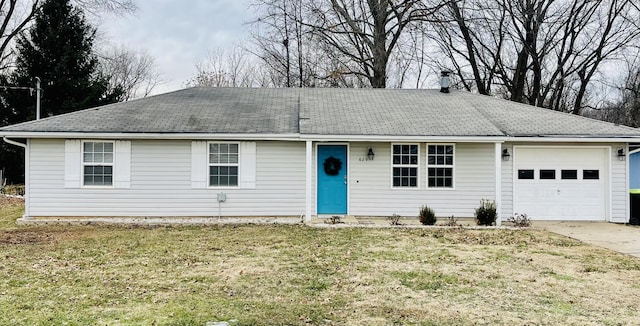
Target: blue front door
[(332, 179)]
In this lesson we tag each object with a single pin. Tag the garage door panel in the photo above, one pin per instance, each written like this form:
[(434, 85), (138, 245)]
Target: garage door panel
[(560, 195)]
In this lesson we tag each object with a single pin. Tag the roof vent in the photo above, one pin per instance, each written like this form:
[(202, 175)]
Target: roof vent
[(444, 81)]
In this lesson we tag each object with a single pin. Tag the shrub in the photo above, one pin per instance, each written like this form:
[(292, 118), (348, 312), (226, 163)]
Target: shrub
[(394, 219), (335, 219), (451, 221), (520, 220), (427, 216), (486, 214), (12, 190)]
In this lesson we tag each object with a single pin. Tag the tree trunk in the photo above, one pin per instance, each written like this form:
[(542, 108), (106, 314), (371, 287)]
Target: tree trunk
[(464, 29), (380, 58)]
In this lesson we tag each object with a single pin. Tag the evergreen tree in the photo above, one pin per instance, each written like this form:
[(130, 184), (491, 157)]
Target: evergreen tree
[(58, 48)]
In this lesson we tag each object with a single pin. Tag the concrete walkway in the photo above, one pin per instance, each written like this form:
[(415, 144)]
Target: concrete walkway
[(617, 237)]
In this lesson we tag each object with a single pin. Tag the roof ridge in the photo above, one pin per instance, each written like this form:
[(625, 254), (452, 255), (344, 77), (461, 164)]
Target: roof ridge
[(486, 116)]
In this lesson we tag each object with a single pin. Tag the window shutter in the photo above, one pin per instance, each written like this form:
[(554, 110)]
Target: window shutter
[(72, 163), (122, 164), (248, 165), (199, 163)]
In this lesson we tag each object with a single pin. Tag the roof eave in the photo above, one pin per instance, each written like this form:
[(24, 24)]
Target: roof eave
[(325, 138), (126, 135)]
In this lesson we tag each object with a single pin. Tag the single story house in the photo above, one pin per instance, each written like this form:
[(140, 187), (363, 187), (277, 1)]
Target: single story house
[(205, 152)]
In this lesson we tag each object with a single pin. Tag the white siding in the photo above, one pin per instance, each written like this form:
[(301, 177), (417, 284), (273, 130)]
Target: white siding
[(507, 185), (371, 193), (619, 186), (161, 184)]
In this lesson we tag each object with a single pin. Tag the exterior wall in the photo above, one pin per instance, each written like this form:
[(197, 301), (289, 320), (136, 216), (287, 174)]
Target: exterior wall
[(506, 208), (617, 194), (371, 193), (161, 184), (619, 186)]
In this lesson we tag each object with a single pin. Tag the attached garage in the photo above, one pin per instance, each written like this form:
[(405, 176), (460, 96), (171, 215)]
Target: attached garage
[(561, 183)]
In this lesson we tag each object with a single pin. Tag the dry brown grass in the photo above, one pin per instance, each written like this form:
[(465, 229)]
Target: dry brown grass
[(300, 275)]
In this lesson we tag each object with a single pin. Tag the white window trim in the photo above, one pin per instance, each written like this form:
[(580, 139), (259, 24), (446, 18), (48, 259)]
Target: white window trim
[(83, 164), (452, 166), (208, 172), (417, 166)]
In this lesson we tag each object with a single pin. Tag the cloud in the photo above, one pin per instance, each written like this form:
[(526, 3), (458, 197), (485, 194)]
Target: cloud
[(179, 33)]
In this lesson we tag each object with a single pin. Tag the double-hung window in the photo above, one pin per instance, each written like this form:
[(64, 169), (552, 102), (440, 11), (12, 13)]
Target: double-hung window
[(440, 166), (97, 163), (405, 165), (223, 164)]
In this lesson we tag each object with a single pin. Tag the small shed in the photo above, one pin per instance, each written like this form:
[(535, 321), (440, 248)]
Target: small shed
[(634, 184)]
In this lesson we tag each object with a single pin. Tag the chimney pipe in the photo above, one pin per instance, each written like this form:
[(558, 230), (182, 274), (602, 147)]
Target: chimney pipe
[(444, 81)]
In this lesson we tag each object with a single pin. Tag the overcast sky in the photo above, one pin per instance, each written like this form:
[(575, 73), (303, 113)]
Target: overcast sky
[(178, 33)]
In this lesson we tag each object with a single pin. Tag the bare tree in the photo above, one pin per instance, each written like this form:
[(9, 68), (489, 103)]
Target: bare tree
[(286, 45), (116, 7), (15, 16), (228, 68), (338, 42), (625, 108), (542, 52), (134, 73), (365, 34)]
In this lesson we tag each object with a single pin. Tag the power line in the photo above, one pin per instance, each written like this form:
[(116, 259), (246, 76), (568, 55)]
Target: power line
[(30, 89)]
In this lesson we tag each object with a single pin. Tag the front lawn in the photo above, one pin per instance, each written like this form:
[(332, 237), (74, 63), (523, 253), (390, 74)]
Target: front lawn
[(274, 275)]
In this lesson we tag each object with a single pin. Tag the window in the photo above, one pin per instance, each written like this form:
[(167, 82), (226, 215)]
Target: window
[(547, 174), (569, 174), (405, 165), (223, 164), (97, 163), (440, 166), (525, 174), (591, 174)]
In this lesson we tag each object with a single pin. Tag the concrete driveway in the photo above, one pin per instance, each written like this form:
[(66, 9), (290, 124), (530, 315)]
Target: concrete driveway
[(617, 237)]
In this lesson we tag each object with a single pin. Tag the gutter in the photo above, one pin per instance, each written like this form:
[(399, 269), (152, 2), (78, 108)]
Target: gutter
[(173, 136), (26, 173), (13, 142), (317, 137)]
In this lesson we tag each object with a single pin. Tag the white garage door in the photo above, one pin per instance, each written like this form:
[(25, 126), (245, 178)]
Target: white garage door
[(560, 183)]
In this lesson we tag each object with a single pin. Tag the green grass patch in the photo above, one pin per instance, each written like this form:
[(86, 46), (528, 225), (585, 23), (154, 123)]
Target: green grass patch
[(426, 281)]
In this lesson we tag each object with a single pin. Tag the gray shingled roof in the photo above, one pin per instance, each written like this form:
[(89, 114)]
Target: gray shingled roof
[(192, 110), (325, 111)]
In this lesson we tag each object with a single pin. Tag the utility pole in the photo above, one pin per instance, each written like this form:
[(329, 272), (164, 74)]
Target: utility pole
[(37, 98), (30, 89)]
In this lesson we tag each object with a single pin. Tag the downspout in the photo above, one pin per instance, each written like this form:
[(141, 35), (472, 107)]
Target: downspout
[(26, 173), (13, 142)]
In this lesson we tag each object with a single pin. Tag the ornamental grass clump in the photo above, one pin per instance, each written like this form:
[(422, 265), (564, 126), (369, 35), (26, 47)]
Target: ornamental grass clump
[(486, 214), (427, 216), (394, 219), (520, 220)]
